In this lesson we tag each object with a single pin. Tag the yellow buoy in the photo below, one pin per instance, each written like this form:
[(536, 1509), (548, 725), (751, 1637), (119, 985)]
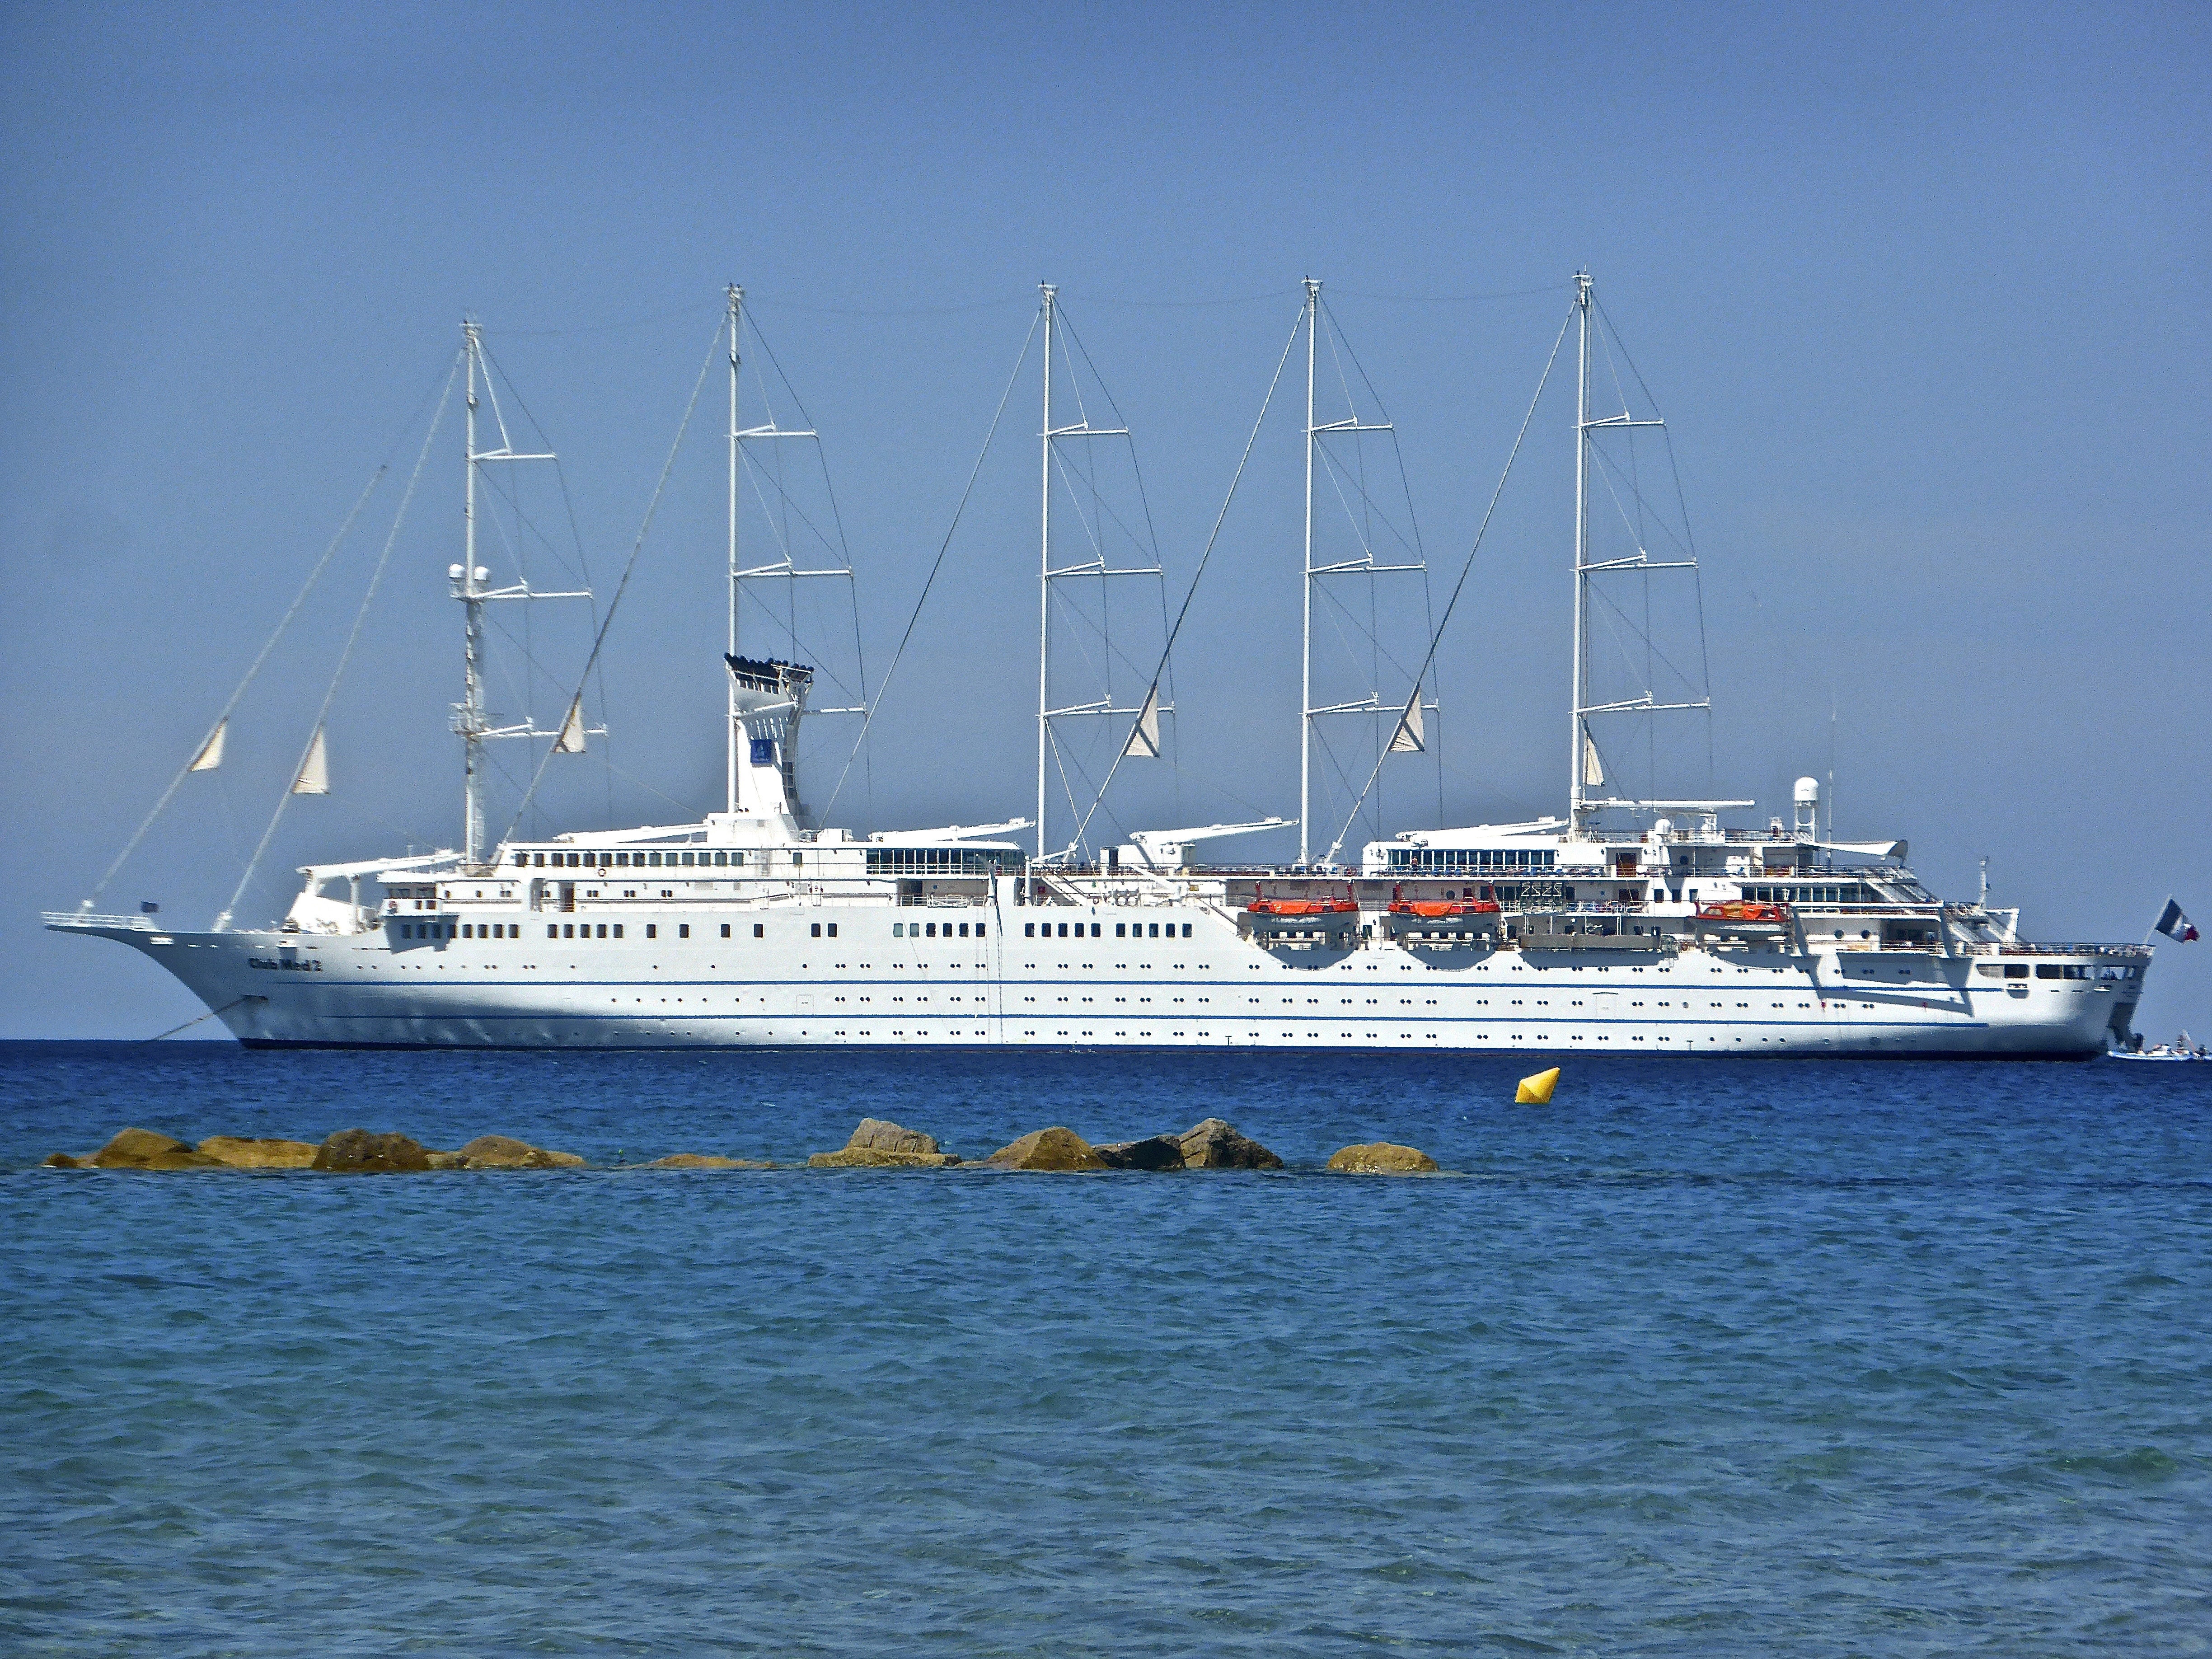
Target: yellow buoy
[(1536, 1090)]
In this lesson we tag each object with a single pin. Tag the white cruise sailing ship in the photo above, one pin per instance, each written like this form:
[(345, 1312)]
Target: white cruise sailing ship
[(1622, 926)]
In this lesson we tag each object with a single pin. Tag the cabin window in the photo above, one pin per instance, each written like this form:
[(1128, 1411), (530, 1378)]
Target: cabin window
[(726, 930), (652, 931), (568, 930), (963, 930), (2048, 970), (683, 930), (522, 860), (833, 930), (1156, 930), (618, 927), (603, 930), (979, 929), (1186, 930), (898, 930), (721, 859), (690, 859), (552, 930), (759, 931), (1029, 930), (1063, 930), (817, 930)]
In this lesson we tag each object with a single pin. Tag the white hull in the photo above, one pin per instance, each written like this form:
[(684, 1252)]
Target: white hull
[(1216, 989)]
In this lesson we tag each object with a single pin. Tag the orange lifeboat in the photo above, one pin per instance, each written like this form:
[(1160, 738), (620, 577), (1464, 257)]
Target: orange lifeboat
[(1264, 906), (1742, 910)]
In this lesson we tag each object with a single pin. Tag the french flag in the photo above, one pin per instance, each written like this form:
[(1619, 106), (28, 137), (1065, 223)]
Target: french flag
[(2174, 924)]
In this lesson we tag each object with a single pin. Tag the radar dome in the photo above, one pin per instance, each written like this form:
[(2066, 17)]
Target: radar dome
[(1809, 791)]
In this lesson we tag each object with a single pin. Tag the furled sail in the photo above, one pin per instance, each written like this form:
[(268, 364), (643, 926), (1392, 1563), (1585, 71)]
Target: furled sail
[(1409, 738), (1144, 742), (571, 740), (314, 777), (210, 755), (1593, 769)]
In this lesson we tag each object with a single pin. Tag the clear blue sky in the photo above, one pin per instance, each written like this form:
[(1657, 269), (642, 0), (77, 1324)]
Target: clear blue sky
[(1923, 292)]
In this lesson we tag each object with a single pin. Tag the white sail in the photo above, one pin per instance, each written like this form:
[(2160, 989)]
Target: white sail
[(571, 740), (1593, 769), (1409, 738), (314, 777), (1144, 742), (210, 755)]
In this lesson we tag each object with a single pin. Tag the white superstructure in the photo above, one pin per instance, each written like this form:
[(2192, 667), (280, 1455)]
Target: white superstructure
[(1675, 935)]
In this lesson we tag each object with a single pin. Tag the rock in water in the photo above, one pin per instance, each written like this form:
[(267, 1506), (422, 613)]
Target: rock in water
[(1047, 1149), (358, 1151), (264, 1154), (887, 1137), (141, 1149), (878, 1144), (64, 1161), (1214, 1145), (1160, 1152), (704, 1161), (1382, 1158), (505, 1152)]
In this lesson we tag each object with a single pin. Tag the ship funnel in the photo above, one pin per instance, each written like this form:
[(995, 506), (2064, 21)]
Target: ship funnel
[(767, 700)]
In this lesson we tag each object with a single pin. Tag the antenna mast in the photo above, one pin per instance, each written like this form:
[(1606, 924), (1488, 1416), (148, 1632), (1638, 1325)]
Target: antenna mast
[(469, 718), (737, 299), (1044, 566), (1305, 630), (1578, 735)]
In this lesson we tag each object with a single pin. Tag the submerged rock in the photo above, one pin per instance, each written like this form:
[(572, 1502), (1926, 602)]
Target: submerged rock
[(1047, 1149), (1159, 1152), (262, 1154), (505, 1152), (873, 1158), (704, 1161), (359, 1151), (880, 1145), (1214, 1145), (1382, 1158), (142, 1149)]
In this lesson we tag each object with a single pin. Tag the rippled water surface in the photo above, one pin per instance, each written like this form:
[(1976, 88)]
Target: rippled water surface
[(1704, 1357)]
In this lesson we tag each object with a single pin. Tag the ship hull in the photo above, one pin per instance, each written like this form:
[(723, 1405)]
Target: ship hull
[(1217, 989)]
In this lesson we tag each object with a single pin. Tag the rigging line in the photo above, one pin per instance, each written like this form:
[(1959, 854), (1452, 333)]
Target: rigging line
[(1186, 304), (614, 604), (910, 311), (607, 328), (844, 547), (1167, 648), (230, 707), (345, 656), (196, 1019), (1452, 299), (943, 547), (1436, 639), (575, 531)]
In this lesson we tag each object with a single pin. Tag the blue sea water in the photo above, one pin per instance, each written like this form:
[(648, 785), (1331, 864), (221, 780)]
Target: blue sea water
[(1704, 1357)]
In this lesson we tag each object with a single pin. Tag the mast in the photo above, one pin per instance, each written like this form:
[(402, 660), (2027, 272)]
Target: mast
[(1306, 631), (736, 297), (1578, 732), (1044, 566), (470, 721)]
